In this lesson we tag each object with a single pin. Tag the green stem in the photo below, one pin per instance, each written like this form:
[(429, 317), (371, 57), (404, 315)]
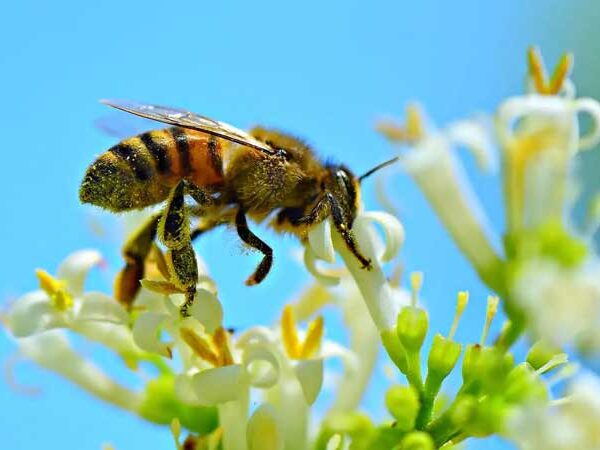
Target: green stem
[(442, 428), (509, 335)]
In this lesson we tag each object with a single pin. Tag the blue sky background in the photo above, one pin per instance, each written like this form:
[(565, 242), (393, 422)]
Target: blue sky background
[(323, 70)]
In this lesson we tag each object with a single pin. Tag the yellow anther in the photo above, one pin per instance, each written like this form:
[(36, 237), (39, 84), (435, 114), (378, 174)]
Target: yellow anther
[(221, 342), (200, 346), (176, 433), (411, 132), (289, 334), (416, 282), (55, 289), (295, 348), (313, 339), (461, 303), (492, 308), (537, 72)]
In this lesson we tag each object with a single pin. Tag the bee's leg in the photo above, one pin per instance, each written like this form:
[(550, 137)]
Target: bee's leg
[(343, 227), (135, 251), (254, 241), (174, 232)]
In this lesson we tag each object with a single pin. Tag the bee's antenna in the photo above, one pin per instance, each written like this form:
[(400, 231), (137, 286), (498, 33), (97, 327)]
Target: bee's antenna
[(376, 168)]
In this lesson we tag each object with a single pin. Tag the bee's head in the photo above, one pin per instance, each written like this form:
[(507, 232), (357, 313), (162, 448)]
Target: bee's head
[(345, 186)]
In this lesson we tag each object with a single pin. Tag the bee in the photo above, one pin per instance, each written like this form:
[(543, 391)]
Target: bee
[(230, 175)]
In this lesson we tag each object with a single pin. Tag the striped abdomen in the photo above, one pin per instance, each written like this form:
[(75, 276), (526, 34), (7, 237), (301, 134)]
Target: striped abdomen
[(139, 171)]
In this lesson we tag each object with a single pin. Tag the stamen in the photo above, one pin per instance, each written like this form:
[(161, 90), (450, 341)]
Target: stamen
[(199, 345), (176, 432), (555, 361), (221, 341), (55, 289), (291, 343), (567, 371), (416, 281), (314, 337), (413, 130), (537, 72), (492, 308), (461, 303)]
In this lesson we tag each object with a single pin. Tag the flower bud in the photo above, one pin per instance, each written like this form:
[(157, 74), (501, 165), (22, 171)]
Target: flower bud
[(489, 418), (469, 367), (394, 348), (540, 353), (403, 403), (412, 327), (160, 405), (524, 384), (443, 356), (417, 440)]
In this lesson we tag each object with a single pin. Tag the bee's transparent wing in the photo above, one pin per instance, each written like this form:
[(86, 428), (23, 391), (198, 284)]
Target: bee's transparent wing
[(186, 119), (119, 126)]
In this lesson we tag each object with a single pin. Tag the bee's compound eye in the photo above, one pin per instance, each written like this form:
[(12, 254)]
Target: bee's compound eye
[(283, 154)]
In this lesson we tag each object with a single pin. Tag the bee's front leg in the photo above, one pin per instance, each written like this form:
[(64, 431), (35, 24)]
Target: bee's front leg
[(254, 241), (135, 251), (174, 233), (344, 228)]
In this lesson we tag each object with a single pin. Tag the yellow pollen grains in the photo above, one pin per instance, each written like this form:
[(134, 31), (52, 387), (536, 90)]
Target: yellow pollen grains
[(537, 72), (411, 132), (461, 304), (55, 289), (215, 351), (294, 347)]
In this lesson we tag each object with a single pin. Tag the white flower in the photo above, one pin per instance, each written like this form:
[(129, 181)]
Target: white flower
[(431, 162), (562, 304), (571, 423), (539, 135), (62, 303)]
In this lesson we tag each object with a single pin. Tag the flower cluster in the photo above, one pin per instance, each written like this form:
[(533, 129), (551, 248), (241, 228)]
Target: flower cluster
[(255, 389)]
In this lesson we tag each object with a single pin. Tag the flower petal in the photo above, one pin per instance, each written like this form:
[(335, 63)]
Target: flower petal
[(146, 332), (311, 266), (261, 365), (392, 229), (263, 431), (310, 375), (32, 314), (207, 310), (473, 135), (74, 269), (96, 306), (319, 238), (219, 385)]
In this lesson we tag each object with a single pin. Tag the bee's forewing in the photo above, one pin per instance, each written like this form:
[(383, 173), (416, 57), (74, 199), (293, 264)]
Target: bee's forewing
[(186, 119)]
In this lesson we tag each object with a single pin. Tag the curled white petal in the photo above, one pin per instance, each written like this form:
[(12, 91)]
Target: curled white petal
[(96, 306), (75, 267), (392, 229), (32, 314), (309, 373), (474, 137), (261, 365), (146, 333), (332, 349), (263, 431), (311, 265), (319, 238), (184, 389), (257, 335), (219, 385), (207, 310), (590, 107)]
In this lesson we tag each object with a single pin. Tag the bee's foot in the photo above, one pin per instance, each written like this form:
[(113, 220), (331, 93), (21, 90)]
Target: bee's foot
[(189, 301), (367, 264)]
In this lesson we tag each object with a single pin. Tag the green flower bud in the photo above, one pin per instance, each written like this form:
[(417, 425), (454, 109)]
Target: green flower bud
[(394, 348), (464, 410), (470, 361), (403, 403), (161, 405), (490, 416), (443, 356), (493, 366), (524, 384), (417, 440), (540, 353), (412, 327)]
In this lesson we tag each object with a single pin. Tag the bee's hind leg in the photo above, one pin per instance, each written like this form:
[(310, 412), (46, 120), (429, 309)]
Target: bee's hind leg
[(135, 251), (255, 242), (174, 233)]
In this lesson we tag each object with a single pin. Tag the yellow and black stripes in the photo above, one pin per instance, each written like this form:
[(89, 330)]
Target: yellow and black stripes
[(158, 149), (182, 145), (135, 154)]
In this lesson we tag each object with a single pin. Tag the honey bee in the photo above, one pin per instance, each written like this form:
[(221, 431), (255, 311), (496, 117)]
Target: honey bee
[(230, 175)]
